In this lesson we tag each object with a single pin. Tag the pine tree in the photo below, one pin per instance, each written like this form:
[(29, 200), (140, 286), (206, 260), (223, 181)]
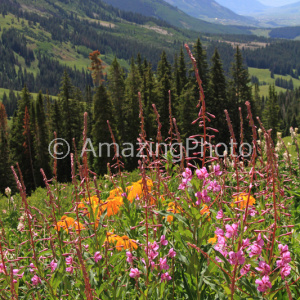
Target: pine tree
[(131, 110), (116, 87), (164, 79), (21, 142), (41, 140), (6, 176), (218, 99), (240, 91), (100, 132), (200, 56), (271, 113), (182, 71)]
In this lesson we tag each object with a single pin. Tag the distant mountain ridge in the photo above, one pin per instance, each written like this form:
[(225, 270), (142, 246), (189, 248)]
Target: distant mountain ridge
[(210, 10), (243, 7), (173, 15)]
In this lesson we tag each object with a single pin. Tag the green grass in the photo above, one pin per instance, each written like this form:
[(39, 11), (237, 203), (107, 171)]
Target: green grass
[(264, 75), (261, 32), (34, 95)]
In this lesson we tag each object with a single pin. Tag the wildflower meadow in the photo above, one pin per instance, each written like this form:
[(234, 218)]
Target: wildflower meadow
[(203, 228)]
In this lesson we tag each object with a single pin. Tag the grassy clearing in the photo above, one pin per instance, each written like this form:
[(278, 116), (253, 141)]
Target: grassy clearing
[(34, 95), (291, 148), (264, 75)]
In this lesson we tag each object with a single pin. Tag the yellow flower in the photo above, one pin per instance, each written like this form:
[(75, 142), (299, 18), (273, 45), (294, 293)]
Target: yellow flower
[(136, 189), (115, 193), (213, 240), (241, 200)]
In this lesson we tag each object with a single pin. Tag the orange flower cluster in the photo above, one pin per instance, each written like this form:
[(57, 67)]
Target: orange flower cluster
[(121, 242), (67, 223), (241, 200)]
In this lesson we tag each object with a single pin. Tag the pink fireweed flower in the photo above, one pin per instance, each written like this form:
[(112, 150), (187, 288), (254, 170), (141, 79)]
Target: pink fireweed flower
[(205, 197), (245, 269), (221, 246), (97, 256), (263, 284), (129, 258), (214, 186), (165, 277), (134, 272), (202, 173), (255, 250), (183, 184), (220, 215), (284, 272), (163, 240), (163, 264), (252, 211), (154, 246), (217, 170), (2, 268), (16, 271), (219, 231), (259, 240), (53, 265), (69, 260), (32, 268), (199, 198), (70, 269), (231, 230), (246, 243), (236, 258), (36, 280), (187, 174), (263, 267), (172, 253)]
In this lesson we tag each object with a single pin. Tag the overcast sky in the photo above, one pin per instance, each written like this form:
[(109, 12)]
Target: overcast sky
[(278, 2)]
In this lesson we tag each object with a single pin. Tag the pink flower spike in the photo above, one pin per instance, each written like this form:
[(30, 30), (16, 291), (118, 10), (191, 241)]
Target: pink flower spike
[(165, 277), (199, 197), (69, 260), (263, 267), (217, 170), (172, 253), (70, 270), (53, 265), (245, 269), (263, 284), (220, 215), (285, 271), (202, 173), (97, 256), (129, 258), (134, 272), (36, 280), (231, 230), (255, 250), (187, 174), (163, 240), (163, 264), (219, 231)]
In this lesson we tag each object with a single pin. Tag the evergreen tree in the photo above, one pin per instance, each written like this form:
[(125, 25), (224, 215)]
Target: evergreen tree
[(240, 91), (100, 132), (131, 110), (164, 79), (41, 141), (116, 87), (218, 99), (21, 142), (200, 56), (182, 71), (6, 176), (271, 113)]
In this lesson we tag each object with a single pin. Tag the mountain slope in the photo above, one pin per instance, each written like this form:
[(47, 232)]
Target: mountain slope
[(210, 10), (243, 7), (164, 11)]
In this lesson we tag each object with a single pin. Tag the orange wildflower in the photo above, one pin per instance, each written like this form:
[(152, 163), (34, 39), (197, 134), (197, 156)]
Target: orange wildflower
[(241, 200), (67, 223), (212, 240), (173, 208), (125, 242)]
